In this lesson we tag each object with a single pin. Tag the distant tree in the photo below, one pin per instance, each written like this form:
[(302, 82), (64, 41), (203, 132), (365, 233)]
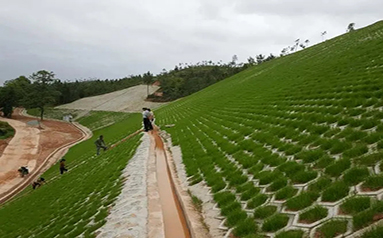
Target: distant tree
[(147, 78), (302, 46), (7, 100), (260, 58), (270, 57), (42, 92), (307, 42), (234, 60), (351, 27), (323, 35), (251, 61), (21, 87), (296, 44)]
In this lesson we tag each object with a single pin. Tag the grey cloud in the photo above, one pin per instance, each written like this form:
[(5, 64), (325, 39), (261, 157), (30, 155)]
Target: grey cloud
[(112, 39)]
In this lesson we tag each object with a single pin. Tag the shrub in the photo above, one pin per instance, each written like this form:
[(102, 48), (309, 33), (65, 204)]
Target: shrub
[(245, 227), (314, 214), (274, 223), (285, 193), (244, 187), (374, 182), (332, 228), (290, 234), (338, 167), (355, 175), (264, 212), (320, 184), (257, 201), (301, 201), (335, 192), (355, 205)]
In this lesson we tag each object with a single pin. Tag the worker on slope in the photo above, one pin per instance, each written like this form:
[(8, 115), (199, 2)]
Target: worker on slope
[(151, 117), (62, 166), (146, 119), (100, 144), (38, 183)]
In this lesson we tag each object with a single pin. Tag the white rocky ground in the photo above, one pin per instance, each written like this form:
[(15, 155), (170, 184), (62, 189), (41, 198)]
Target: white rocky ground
[(127, 100), (128, 218)]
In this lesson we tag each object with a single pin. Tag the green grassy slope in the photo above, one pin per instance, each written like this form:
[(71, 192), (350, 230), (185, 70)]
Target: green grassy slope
[(77, 202), (299, 129), (6, 130)]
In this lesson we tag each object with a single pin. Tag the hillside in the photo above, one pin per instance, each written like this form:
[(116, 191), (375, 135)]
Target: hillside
[(291, 144), (127, 100)]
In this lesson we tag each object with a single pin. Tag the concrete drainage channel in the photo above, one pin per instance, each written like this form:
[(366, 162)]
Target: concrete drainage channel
[(174, 219)]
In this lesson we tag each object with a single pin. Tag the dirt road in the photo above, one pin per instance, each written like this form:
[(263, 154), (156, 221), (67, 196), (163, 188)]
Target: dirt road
[(34, 148)]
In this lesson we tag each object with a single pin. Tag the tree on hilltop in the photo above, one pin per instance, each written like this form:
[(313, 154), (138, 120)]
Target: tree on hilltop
[(351, 27), (42, 92), (13, 94), (147, 78)]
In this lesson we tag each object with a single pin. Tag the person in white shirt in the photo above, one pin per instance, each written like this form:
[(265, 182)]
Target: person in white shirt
[(146, 119)]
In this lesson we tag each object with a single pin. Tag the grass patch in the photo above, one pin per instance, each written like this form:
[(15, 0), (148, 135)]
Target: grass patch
[(264, 212), (245, 228), (257, 201), (332, 228), (335, 191), (314, 214), (285, 193), (275, 223), (304, 177), (366, 217), (320, 184), (277, 184), (373, 182), (301, 201), (355, 175), (290, 234), (376, 232), (323, 162), (6, 130), (355, 204), (336, 168)]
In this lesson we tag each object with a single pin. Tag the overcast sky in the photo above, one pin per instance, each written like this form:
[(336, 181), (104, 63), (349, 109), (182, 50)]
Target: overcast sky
[(111, 39)]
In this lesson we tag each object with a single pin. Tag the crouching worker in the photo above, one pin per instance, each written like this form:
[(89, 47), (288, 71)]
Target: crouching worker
[(38, 183), (62, 166), (23, 171), (100, 144)]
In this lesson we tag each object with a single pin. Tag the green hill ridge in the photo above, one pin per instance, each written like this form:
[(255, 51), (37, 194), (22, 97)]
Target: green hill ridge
[(296, 136)]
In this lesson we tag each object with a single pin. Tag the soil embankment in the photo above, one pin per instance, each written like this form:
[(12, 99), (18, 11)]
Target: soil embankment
[(132, 99)]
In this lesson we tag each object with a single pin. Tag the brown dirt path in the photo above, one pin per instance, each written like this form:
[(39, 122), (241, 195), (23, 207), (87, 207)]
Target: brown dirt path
[(35, 148)]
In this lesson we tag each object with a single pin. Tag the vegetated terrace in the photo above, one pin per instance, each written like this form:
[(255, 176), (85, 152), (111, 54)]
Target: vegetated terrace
[(302, 133), (75, 203)]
